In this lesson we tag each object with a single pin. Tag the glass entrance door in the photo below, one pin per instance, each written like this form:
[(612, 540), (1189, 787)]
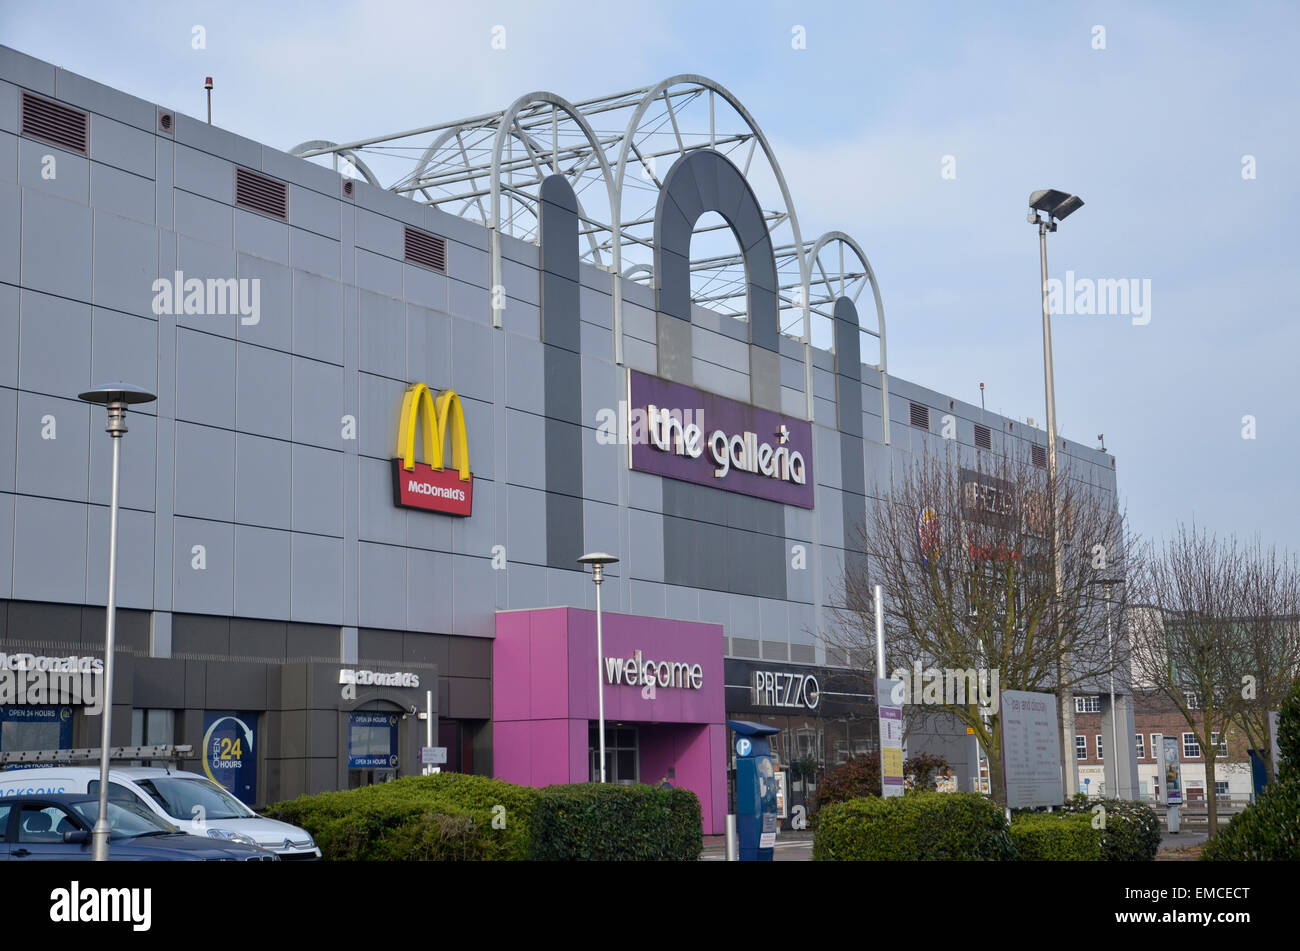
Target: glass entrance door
[(622, 759)]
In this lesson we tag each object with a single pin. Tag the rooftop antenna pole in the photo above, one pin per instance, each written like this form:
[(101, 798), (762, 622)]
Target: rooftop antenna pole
[(207, 84), (981, 397)]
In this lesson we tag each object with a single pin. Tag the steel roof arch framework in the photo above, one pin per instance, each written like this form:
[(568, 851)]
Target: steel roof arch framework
[(319, 146)]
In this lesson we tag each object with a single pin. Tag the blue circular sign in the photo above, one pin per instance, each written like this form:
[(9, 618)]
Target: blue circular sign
[(743, 746)]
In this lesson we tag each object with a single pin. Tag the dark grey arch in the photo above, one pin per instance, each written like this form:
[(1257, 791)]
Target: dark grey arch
[(699, 182)]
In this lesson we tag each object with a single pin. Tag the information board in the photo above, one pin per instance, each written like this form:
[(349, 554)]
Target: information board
[(891, 738), (1031, 749)]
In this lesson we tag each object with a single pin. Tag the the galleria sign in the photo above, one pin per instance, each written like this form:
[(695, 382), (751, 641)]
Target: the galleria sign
[(744, 452)]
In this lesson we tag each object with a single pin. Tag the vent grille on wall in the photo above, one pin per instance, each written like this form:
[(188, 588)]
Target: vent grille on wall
[(427, 250), (920, 415), (55, 122), (1040, 456), (261, 193), (983, 437)]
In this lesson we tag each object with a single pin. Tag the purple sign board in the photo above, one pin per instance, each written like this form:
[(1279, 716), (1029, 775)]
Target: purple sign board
[(679, 432)]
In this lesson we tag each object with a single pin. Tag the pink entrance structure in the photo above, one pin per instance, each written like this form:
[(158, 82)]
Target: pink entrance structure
[(544, 699)]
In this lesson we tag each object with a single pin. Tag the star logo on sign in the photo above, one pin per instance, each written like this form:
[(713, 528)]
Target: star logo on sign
[(784, 433)]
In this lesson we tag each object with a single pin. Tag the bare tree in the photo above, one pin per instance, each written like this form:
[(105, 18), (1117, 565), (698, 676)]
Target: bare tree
[(964, 560), (1217, 637)]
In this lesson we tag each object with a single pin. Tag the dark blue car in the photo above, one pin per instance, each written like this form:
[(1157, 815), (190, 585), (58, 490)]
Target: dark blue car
[(57, 828)]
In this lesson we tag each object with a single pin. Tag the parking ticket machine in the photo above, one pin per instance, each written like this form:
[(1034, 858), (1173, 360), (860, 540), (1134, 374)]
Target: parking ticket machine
[(756, 815)]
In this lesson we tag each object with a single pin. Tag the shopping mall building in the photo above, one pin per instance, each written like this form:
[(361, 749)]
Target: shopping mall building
[(391, 417)]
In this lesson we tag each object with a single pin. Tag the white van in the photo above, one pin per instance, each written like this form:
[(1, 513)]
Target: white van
[(189, 801)]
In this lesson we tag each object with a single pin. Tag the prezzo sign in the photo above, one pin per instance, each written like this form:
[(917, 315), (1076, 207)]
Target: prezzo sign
[(427, 485), (781, 688), (683, 433), (634, 672)]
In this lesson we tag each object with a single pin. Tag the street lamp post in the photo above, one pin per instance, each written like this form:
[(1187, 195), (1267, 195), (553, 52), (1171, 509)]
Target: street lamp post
[(598, 560), (1108, 584), (115, 398), (1046, 207)]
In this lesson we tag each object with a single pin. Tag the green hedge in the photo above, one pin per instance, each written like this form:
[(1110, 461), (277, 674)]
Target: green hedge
[(443, 817), (918, 826), (1268, 830), (1055, 837), (595, 822), (1131, 832)]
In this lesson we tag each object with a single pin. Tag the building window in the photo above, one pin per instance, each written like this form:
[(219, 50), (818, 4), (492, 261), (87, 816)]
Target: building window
[(1087, 704), (1193, 700), (1080, 747), (1220, 788), (1191, 747), (1139, 743), (1157, 746), (1100, 754), (1220, 744), (153, 727)]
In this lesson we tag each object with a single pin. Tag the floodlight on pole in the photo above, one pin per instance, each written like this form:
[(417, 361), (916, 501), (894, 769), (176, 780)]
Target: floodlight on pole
[(598, 560), (1047, 206), (115, 398)]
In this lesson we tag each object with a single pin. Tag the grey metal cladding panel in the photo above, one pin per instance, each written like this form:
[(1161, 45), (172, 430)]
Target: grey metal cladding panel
[(832, 517), (690, 553), (471, 360), (10, 232), (55, 467), (317, 403), (270, 318), (380, 519), (383, 335), (471, 302), (602, 468), (27, 71), (97, 98), (262, 572), (849, 405), (525, 377), (198, 259), (205, 472), (595, 307), (317, 317), (54, 344), (300, 172), (848, 341), (262, 480), (564, 535), (755, 564), (600, 526), (8, 105), (526, 585), (138, 462), (719, 349), (264, 392), (8, 147), (379, 401), (525, 449), (852, 464), (722, 380), (261, 236), (56, 249), (426, 288), (127, 148), (563, 457), (645, 492), (382, 586), (597, 341), (672, 272), (520, 281), (205, 378), (645, 545), (204, 174), (855, 517), (428, 339), (317, 491), (215, 140), (311, 252), (560, 312), (126, 263), (252, 638), (379, 234), (647, 598), (473, 601), (480, 422), (428, 605), (50, 542), (313, 211), (638, 322), (377, 273), (207, 590), (799, 580), (563, 384), (203, 218), (317, 579), (48, 169), (526, 519), (8, 445), (640, 355), (603, 386)]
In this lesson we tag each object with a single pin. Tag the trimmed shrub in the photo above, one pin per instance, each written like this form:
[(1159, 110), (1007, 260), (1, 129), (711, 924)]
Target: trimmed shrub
[(1055, 837), (443, 817), (613, 823), (919, 826), (1268, 830), (1288, 736), (859, 776), (1131, 832)]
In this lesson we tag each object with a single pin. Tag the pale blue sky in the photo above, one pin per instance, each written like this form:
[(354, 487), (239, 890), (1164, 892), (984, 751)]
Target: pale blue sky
[(1149, 131)]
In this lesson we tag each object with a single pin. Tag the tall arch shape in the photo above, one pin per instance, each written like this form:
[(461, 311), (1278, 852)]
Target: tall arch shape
[(507, 122), (620, 172), (879, 334), (349, 154)]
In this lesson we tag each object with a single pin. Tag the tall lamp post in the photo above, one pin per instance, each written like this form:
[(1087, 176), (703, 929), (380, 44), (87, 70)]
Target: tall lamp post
[(115, 398), (1046, 207), (1108, 584), (598, 560)]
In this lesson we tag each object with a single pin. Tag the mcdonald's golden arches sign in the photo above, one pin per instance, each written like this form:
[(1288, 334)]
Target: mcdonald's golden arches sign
[(428, 484)]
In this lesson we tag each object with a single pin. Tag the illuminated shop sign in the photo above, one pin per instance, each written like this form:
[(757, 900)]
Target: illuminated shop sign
[(635, 672), (370, 678), (783, 688), (683, 433), (428, 485)]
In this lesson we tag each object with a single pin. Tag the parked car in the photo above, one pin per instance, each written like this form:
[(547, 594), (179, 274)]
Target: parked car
[(189, 801), (58, 828)]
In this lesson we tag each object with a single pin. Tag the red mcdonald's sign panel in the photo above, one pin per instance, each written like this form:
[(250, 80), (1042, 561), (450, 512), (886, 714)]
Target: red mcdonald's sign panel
[(428, 484)]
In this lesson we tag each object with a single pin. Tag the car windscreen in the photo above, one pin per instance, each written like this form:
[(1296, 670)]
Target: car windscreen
[(189, 799), (125, 819)]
